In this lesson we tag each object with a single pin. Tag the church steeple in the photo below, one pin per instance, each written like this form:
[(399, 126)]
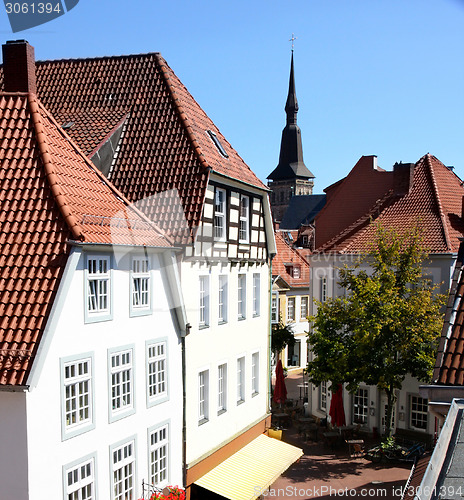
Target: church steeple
[(291, 106), (291, 176), (291, 164)]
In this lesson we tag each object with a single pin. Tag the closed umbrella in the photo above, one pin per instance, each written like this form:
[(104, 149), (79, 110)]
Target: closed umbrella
[(280, 391), (337, 412)]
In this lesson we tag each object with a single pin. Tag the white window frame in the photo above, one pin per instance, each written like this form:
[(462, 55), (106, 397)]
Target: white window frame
[(323, 288), (121, 377), (240, 380), (222, 388), (157, 378), (79, 477), (291, 311), (274, 307), (203, 396), (256, 294), (418, 409), (323, 396), (244, 219), (361, 406), (241, 296), (204, 298), (220, 214), (223, 298), (140, 286), (296, 272), (255, 373), (98, 288), (77, 395), (304, 310), (159, 454), (123, 462)]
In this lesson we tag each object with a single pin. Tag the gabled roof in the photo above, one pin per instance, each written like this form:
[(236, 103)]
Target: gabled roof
[(165, 146), (286, 258), (49, 194), (434, 200)]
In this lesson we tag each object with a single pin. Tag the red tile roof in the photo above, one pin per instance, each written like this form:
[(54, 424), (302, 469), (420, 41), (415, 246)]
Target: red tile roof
[(165, 147), (351, 197), (449, 367), (287, 257), (434, 201), (49, 194)]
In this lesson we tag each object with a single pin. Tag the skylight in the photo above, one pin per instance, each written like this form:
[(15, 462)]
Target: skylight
[(217, 143), (67, 125)]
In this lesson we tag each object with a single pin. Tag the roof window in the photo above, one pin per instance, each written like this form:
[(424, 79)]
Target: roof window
[(217, 143)]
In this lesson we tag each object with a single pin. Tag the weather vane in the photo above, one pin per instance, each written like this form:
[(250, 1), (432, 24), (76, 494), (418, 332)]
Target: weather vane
[(293, 40)]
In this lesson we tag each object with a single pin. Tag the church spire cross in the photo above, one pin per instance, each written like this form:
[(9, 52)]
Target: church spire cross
[(293, 40)]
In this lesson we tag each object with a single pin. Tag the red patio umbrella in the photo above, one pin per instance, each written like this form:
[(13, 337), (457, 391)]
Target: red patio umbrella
[(280, 391), (337, 412)]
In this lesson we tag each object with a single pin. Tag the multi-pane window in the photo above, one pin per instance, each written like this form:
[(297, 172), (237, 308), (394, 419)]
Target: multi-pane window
[(360, 406), (123, 468), (275, 308), (204, 301), (159, 450), (296, 272), (140, 283), (291, 309), (78, 393), (222, 299), (240, 380), (122, 389), (323, 396), (203, 396), (323, 289), (419, 412), (222, 388), (256, 294), (98, 285), (80, 481), (255, 373), (304, 308), (241, 295), (244, 219), (157, 371), (220, 214)]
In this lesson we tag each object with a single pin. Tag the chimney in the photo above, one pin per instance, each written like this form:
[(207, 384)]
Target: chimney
[(19, 67), (403, 174)]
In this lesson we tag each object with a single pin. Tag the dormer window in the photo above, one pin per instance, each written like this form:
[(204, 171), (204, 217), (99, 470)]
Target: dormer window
[(296, 272), (217, 143), (220, 214)]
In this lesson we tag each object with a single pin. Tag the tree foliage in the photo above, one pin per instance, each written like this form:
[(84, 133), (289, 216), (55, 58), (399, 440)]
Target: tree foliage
[(386, 326), (282, 335)]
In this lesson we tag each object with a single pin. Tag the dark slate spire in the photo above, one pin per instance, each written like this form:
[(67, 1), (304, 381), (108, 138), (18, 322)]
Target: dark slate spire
[(291, 164)]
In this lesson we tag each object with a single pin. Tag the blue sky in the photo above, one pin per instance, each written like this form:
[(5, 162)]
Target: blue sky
[(382, 77)]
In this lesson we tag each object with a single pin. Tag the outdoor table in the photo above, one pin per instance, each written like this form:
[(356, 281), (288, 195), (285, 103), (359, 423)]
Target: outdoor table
[(351, 445)]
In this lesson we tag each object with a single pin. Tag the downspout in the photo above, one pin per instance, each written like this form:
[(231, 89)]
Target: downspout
[(188, 326), (269, 356)]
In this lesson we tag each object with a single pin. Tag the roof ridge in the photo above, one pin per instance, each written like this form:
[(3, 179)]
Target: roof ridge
[(50, 174), (78, 59), (428, 162)]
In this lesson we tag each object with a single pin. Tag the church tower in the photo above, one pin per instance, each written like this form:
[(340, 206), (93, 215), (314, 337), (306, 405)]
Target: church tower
[(291, 177)]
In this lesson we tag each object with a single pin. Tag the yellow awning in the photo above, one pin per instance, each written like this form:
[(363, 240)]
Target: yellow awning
[(247, 473)]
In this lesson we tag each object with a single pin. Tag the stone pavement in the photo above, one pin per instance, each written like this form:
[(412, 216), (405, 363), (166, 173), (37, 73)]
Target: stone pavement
[(332, 474)]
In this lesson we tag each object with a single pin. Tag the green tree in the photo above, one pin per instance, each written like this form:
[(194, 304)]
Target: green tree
[(282, 335), (386, 326)]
